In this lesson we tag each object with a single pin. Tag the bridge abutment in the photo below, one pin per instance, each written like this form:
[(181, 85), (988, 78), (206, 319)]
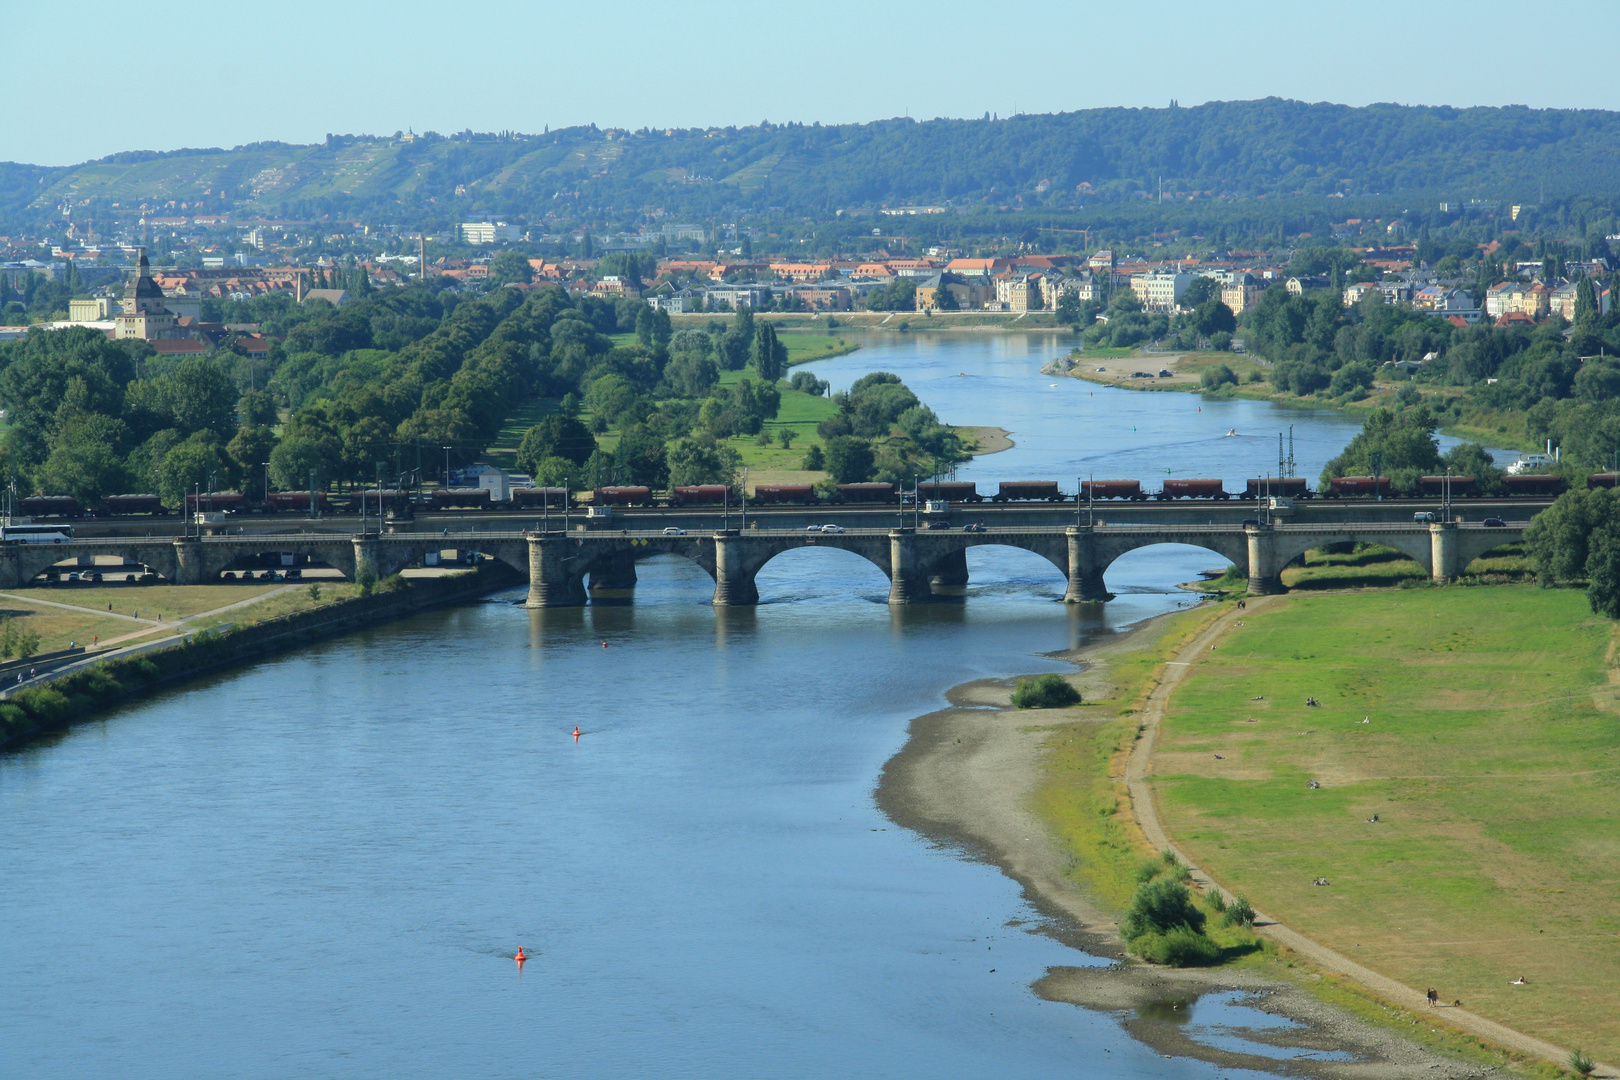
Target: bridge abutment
[(733, 575), (551, 583)]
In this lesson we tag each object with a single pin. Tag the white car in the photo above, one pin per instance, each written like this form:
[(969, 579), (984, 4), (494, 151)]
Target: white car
[(812, 528), (673, 530), (833, 529)]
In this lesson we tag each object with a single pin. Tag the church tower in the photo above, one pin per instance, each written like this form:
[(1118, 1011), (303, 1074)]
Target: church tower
[(144, 315)]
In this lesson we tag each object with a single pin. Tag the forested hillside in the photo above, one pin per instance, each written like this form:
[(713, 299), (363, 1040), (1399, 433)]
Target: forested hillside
[(1267, 148)]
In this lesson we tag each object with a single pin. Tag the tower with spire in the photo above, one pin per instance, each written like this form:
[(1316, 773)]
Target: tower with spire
[(143, 315)]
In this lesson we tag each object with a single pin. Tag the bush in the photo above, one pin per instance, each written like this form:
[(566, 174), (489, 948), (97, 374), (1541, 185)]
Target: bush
[(365, 577), (1044, 692), (1147, 870), (1180, 947), (814, 459), (1218, 376), (1240, 912), (1158, 907), (1221, 341), (1582, 1064)]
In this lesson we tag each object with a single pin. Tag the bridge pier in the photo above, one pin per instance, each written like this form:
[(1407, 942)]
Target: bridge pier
[(733, 576), (1445, 563), (1085, 575), (365, 552), (1265, 576), (188, 562), (907, 583), (551, 583)]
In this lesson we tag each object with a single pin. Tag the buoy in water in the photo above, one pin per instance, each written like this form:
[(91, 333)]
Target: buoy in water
[(576, 733), (520, 957), (604, 644)]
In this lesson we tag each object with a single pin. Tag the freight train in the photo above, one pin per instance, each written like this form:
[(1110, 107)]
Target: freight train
[(529, 500)]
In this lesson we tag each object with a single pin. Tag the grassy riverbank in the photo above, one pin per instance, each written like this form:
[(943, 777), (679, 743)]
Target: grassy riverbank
[(1489, 760)]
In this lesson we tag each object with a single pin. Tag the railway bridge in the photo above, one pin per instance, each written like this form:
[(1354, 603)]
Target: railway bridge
[(564, 568)]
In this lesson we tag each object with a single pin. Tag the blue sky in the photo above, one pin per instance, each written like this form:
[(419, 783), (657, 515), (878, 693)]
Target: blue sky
[(123, 77)]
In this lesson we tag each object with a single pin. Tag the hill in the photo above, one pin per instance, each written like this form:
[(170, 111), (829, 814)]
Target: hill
[(1245, 149)]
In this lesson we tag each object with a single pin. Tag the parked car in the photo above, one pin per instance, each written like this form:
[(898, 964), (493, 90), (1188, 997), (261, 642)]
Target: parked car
[(1166, 373), (939, 524), (674, 530), (1494, 523)]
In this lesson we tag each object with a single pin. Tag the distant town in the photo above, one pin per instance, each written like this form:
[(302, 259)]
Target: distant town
[(686, 269)]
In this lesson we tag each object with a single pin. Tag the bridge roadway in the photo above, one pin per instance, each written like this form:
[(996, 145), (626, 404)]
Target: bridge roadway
[(564, 568), (869, 516)]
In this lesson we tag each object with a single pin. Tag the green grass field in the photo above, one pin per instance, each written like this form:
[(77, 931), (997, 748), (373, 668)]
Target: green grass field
[(1491, 759)]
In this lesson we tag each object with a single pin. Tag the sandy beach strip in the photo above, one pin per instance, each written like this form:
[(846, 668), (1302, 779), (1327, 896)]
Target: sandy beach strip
[(991, 440)]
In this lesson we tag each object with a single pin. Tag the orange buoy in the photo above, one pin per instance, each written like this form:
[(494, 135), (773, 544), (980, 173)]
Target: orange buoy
[(604, 644), (576, 733), (520, 957)]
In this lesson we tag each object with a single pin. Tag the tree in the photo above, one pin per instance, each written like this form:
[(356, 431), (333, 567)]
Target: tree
[(256, 408), (691, 374), (509, 267), (770, 355), (1070, 312), (849, 460), (555, 436), (1213, 316), (249, 451), (1585, 302), (1200, 291), (701, 459), (198, 463)]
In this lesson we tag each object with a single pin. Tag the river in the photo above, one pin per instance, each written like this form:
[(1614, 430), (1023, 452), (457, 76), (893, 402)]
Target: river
[(320, 865)]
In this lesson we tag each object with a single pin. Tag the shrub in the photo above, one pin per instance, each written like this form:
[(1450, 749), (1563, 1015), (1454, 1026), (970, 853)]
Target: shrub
[(365, 577), (1044, 692), (1148, 870), (1582, 1064), (1218, 376), (1221, 341), (1179, 947), (1217, 900), (1158, 907), (1240, 912), (814, 459)]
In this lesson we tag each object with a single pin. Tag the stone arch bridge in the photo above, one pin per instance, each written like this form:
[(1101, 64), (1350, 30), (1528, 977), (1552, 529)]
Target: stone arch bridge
[(564, 568)]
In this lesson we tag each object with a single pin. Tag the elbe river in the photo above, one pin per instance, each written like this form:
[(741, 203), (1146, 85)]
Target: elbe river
[(320, 865)]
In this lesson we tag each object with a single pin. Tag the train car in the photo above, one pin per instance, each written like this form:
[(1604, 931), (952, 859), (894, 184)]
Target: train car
[(1280, 487), (1603, 480), (1112, 489), (701, 495), (541, 497), (803, 494), (388, 500), (864, 493), (296, 501), (49, 506), (1193, 489), (460, 499), (1462, 487), (216, 502), (950, 490), (623, 496), (1357, 486), (1534, 484), (122, 505), (1028, 491)]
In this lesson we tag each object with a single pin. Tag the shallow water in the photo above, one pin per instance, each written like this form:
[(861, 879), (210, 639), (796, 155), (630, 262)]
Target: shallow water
[(321, 865)]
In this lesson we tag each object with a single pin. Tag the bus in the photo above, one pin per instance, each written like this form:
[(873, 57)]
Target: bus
[(35, 534)]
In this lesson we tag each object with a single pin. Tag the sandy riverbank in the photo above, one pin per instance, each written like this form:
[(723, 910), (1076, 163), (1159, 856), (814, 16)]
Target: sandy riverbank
[(991, 440), (967, 778)]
